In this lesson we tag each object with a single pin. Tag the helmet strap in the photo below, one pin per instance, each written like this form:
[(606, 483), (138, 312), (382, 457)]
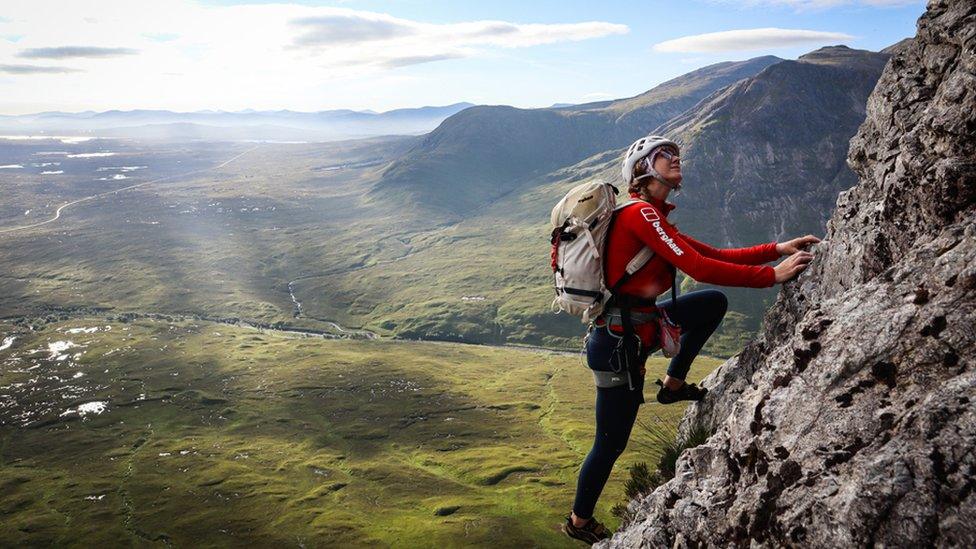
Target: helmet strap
[(657, 177)]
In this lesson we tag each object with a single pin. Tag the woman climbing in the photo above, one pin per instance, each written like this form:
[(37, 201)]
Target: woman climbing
[(652, 169)]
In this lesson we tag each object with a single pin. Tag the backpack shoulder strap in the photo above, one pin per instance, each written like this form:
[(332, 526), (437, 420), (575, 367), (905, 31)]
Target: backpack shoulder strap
[(643, 256), (637, 262), (640, 260)]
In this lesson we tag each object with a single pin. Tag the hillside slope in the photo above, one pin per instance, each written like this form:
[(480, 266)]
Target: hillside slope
[(768, 152), (849, 420), (485, 152)]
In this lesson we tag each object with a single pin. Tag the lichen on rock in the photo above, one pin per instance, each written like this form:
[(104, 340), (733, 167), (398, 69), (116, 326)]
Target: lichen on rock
[(850, 419)]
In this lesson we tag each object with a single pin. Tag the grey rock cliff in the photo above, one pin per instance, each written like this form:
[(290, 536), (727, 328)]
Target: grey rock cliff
[(851, 419)]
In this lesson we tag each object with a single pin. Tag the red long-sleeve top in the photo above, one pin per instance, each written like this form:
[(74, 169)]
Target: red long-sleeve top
[(645, 224)]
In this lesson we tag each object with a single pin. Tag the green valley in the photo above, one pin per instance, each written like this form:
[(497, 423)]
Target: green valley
[(187, 432)]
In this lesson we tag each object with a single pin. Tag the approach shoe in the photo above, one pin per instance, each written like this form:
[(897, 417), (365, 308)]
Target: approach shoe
[(589, 533), (688, 391)]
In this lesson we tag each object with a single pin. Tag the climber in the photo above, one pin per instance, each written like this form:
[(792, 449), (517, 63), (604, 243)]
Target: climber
[(652, 169)]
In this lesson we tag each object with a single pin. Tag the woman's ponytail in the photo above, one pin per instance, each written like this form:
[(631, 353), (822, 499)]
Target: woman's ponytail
[(639, 186)]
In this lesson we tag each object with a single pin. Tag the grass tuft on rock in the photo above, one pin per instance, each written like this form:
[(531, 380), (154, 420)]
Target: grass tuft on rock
[(663, 441)]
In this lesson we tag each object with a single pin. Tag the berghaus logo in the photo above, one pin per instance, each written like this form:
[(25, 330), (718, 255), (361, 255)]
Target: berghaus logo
[(667, 239), (651, 215)]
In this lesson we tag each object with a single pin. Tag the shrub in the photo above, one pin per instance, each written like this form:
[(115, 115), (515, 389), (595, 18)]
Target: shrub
[(668, 447)]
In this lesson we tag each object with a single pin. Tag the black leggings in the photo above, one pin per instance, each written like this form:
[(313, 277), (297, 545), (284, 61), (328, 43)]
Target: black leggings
[(699, 313)]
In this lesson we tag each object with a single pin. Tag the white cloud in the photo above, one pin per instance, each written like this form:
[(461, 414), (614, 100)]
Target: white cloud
[(348, 38), (193, 55), (67, 52), (34, 69), (749, 39), (343, 28), (403, 61)]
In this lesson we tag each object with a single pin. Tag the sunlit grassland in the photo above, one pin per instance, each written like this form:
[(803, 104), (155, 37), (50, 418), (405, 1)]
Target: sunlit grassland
[(225, 243), (220, 243), (221, 435)]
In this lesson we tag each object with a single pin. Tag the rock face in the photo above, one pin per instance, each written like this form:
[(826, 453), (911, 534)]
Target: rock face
[(851, 419)]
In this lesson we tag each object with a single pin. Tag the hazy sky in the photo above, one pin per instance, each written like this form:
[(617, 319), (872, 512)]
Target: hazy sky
[(231, 55)]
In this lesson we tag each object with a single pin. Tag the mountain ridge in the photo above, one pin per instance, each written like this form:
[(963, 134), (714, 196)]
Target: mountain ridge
[(540, 140), (327, 112)]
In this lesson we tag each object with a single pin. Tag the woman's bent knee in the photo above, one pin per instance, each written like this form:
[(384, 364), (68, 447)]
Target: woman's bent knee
[(720, 303)]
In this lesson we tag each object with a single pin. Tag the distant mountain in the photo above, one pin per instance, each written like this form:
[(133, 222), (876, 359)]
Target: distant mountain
[(485, 152), (766, 157), (246, 124), (188, 131), (767, 153)]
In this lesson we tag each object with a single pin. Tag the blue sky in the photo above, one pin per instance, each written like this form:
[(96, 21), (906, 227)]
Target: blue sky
[(304, 55)]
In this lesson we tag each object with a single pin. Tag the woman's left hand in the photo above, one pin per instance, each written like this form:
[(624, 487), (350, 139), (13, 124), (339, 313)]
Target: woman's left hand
[(797, 244)]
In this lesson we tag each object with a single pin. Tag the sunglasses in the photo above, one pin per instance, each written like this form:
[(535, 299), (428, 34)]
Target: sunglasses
[(669, 154)]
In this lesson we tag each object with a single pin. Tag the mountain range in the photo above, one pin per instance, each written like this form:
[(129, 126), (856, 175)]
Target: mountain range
[(240, 125), (490, 150)]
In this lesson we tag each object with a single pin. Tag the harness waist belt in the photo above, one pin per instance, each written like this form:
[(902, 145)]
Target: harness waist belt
[(635, 316), (610, 379)]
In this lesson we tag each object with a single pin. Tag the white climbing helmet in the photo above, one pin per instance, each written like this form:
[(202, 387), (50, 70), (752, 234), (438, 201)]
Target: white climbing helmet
[(640, 149)]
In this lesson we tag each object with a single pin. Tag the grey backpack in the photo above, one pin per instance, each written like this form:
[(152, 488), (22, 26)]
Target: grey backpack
[(581, 222)]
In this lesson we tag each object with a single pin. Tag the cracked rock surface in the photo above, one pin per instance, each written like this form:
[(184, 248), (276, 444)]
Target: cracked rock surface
[(851, 419)]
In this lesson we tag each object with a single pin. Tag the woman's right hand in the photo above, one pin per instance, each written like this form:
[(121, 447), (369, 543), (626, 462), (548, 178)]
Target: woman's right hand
[(792, 266)]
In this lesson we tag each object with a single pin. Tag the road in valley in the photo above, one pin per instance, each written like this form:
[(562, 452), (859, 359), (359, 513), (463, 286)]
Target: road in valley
[(57, 214)]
